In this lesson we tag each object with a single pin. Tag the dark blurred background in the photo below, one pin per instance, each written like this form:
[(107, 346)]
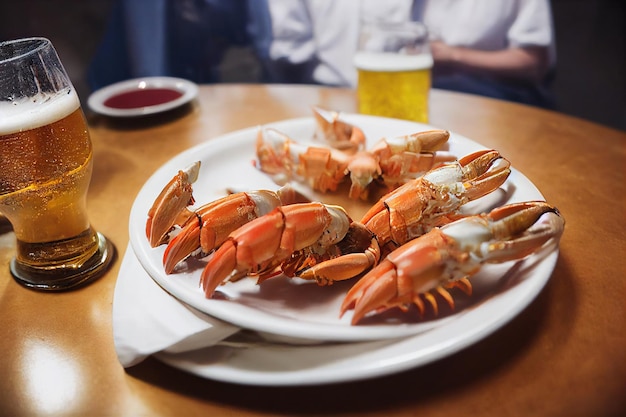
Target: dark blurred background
[(590, 80)]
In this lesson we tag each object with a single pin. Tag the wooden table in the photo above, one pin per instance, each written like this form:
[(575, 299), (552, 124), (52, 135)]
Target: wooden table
[(563, 355)]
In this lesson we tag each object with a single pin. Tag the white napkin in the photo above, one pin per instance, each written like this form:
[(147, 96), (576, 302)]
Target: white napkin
[(147, 320)]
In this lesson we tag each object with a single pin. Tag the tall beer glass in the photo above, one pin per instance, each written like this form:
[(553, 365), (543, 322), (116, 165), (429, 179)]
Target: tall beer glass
[(394, 64), (45, 168)]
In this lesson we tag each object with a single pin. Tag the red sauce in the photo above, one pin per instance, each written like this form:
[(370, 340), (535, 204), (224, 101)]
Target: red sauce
[(142, 98)]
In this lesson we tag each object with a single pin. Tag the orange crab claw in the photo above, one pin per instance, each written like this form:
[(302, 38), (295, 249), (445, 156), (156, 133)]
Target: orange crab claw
[(262, 245), (214, 221), (169, 208), (391, 285), (358, 251), (338, 134), (435, 198), (483, 172), (446, 256)]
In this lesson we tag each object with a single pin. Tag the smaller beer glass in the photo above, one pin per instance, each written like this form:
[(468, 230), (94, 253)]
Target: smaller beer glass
[(394, 65), (45, 168)]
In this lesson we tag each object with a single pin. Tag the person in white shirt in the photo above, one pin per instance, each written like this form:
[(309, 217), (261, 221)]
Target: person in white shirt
[(498, 48)]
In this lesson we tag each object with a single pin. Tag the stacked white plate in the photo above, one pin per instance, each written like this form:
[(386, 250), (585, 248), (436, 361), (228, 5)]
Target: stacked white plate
[(304, 339)]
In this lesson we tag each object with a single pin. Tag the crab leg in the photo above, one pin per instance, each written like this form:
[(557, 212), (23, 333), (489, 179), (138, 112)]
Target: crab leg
[(212, 223), (446, 256)]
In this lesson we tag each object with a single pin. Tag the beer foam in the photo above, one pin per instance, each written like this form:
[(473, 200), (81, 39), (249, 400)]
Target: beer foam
[(385, 61), (33, 112)]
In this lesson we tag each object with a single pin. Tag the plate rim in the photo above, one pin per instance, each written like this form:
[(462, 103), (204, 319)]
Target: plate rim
[(417, 350), (96, 99)]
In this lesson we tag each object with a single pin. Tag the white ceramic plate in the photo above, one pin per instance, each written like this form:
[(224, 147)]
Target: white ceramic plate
[(284, 365), (298, 309), (185, 91)]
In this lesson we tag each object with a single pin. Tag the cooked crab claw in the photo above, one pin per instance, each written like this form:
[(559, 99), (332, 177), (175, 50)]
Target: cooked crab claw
[(283, 159), (402, 157), (169, 208), (262, 246), (433, 199), (446, 257), (336, 132), (396, 160), (213, 222)]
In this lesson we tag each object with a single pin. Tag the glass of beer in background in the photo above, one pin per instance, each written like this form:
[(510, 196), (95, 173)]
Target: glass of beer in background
[(394, 65), (46, 161)]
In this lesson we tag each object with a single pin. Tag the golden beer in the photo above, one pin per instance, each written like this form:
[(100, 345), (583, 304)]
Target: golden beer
[(394, 85), (45, 170), (46, 161)]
